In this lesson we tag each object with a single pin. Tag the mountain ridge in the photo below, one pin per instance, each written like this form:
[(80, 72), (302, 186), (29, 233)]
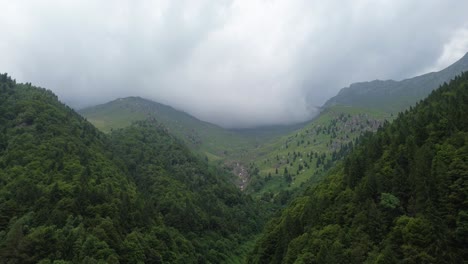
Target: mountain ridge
[(161, 106), (204, 137), (394, 96)]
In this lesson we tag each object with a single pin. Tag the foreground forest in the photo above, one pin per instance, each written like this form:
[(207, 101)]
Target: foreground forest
[(71, 194), (399, 197)]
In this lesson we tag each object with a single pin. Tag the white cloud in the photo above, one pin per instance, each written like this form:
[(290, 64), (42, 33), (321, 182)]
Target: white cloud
[(454, 49), (233, 62)]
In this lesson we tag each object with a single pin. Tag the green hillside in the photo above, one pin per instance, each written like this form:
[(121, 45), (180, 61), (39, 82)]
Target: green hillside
[(399, 197), (214, 142), (71, 194), (279, 167), (395, 96), (209, 139), (286, 163)]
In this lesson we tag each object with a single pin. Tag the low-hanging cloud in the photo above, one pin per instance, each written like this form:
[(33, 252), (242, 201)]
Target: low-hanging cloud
[(232, 62)]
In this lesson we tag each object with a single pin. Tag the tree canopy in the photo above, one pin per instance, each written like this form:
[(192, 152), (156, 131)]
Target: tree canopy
[(71, 194)]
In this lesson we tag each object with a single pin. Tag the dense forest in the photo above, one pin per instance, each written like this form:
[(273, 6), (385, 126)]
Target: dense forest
[(399, 197), (71, 194)]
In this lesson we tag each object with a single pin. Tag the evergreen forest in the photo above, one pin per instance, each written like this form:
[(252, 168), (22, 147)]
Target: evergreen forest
[(376, 189), (71, 194)]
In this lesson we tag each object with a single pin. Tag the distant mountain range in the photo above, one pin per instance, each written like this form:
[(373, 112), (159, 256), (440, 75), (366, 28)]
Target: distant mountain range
[(395, 96), (206, 138), (121, 112)]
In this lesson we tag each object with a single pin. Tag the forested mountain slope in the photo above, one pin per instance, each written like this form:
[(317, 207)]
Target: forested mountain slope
[(281, 166), (72, 194), (395, 96), (399, 197)]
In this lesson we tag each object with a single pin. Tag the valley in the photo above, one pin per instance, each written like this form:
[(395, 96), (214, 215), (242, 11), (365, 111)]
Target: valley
[(282, 158), (135, 181), (257, 159), (233, 132)]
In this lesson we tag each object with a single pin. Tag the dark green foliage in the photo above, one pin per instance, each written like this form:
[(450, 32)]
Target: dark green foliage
[(190, 195), (71, 194), (399, 197)]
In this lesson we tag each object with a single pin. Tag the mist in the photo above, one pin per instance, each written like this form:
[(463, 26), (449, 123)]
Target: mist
[(233, 63)]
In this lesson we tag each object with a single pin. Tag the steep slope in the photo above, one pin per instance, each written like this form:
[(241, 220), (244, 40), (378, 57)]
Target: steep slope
[(75, 195), (197, 200), (394, 96), (400, 196), (286, 163), (123, 111), (207, 138)]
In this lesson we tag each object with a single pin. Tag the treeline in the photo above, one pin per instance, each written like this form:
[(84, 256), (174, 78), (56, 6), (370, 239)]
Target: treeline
[(71, 194), (399, 197)]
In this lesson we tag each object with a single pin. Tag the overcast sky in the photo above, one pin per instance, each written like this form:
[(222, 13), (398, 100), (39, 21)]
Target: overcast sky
[(235, 63)]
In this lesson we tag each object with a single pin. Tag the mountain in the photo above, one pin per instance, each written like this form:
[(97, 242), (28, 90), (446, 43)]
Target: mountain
[(211, 140), (284, 164), (398, 197), (394, 96), (197, 134), (72, 194)]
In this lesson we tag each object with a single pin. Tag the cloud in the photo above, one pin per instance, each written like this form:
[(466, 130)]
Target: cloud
[(236, 63), (454, 49)]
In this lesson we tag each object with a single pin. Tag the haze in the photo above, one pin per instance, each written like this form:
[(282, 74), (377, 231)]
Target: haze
[(234, 63)]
